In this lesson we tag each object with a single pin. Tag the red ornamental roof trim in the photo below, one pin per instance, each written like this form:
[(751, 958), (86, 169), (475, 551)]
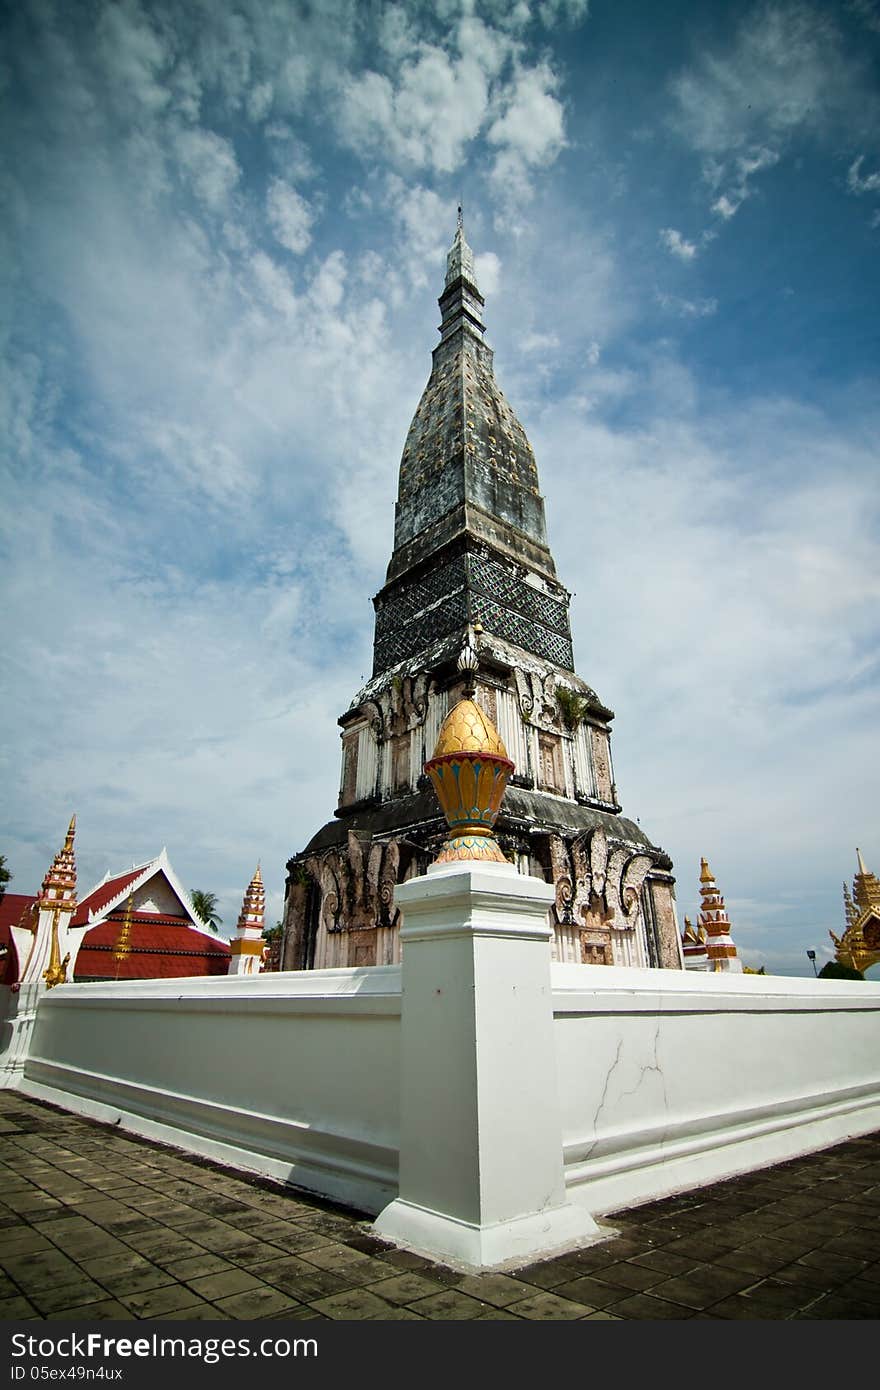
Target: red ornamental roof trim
[(148, 950), (107, 892)]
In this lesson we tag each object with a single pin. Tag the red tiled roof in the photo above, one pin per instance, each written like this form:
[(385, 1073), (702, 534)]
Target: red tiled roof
[(160, 949), (104, 893), (12, 908)]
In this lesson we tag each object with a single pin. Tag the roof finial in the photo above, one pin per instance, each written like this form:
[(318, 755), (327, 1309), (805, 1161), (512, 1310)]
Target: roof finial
[(862, 869), (460, 219)]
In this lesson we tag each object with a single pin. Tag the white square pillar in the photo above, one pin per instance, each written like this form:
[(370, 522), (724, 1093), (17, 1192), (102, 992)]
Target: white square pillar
[(481, 1170)]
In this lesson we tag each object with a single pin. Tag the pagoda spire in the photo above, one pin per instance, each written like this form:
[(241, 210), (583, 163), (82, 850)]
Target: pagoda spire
[(461, 303), (246, 947), (716, 923), (59, 882), (54, 909)]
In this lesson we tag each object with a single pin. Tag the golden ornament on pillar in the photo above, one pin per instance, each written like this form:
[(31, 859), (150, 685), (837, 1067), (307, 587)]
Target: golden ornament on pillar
[(469, 770)]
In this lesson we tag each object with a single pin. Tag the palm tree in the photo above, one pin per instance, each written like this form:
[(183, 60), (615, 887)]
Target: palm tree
[(205, 905)]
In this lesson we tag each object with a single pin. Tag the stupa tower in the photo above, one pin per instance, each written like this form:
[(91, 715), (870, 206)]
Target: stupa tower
[(471, 601), (247, 946), (715, 922)]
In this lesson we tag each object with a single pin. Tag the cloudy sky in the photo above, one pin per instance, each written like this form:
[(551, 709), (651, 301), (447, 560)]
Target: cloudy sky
[(225, 230)]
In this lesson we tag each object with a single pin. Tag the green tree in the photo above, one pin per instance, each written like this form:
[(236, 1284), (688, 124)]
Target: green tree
[(5, 875), (205, 905), (835, 971), (272, 933)]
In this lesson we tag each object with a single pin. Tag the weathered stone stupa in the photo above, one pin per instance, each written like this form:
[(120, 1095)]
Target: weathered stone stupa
[(472, 604)]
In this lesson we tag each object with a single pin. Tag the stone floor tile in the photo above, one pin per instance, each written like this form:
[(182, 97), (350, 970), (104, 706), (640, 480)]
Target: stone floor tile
[(335, 1256), (547, 1306), (216, 1286), (497, 1289), (51, 1298), (16, 1306), (261, 1302), (194, 1265), (836, 1265), (108, 1310), (647, 1307), (450, 1305), (407, 1287), (703, 1286), (199, 1312), (549, 1274), (354, 1304), (129, 1262), (630, 1276), (589, 1290), (157, 1303), (281, 1270), (666, 1261)]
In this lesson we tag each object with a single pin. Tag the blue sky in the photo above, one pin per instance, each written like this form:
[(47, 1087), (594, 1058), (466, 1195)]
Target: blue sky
[(225, 233)]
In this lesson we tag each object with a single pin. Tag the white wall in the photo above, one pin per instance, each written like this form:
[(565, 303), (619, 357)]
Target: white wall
[(669, 1079), (291, 1075), (665, 1079)]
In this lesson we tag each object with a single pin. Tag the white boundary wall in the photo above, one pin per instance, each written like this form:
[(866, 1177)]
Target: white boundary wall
[(295, 1076), (672, 1079), (487, 1103)]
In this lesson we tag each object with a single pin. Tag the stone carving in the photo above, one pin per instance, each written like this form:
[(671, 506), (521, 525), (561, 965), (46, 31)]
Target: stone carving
[(563, 879), (636, 872), (357, 885), (598, 861)]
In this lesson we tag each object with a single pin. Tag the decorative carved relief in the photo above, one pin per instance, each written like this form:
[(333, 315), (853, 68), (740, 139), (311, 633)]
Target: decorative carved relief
[(563, 880), (636, 872), (601, 764), (598, 860)]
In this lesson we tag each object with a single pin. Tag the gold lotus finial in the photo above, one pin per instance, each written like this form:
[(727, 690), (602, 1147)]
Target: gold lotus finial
[(468, 729), (469, 771), (706, 875)]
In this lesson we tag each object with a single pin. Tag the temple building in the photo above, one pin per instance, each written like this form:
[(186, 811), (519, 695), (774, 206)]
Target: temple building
[(137, 925), (859, 947), (472, 601)]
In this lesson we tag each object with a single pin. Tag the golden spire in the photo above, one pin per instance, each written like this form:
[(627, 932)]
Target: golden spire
[(253, 907), (59, 884), (247, 946), (123, 945), (716, 923), (862, 869)]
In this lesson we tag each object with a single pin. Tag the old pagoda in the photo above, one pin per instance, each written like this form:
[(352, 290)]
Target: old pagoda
[(471, 601)]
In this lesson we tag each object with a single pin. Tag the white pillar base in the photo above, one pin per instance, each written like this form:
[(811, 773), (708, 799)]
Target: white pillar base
[(481, 1166), (506, 1245)]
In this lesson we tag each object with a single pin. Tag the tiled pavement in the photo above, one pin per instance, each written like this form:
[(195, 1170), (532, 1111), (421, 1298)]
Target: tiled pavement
[(95, 1225)]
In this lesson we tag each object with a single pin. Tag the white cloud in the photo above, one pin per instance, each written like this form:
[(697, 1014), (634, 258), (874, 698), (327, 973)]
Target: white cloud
[(488, 269), (687, 308), (290, 216), (210, 162), (529, 133), (677, 245), (858, 185), (787, 73), (785, 70)]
